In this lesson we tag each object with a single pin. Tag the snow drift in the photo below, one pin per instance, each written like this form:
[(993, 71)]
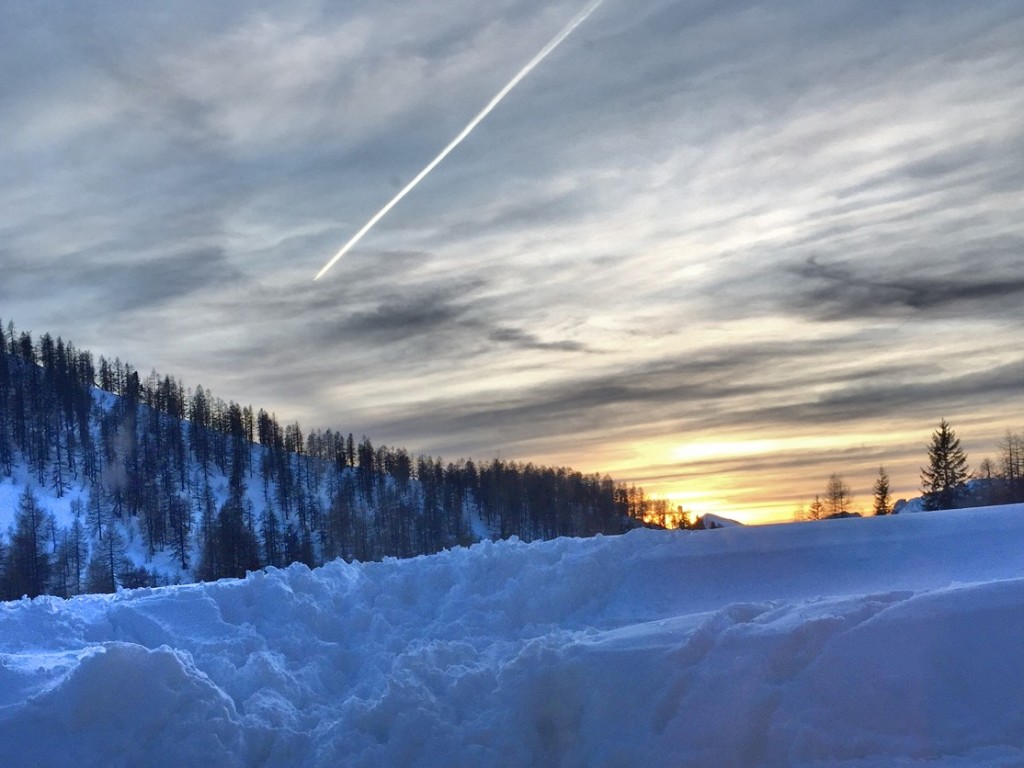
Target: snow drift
[(882, 641)]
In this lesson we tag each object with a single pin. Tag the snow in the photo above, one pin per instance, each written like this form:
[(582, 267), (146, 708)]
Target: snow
[(861, 642), (12, 487)]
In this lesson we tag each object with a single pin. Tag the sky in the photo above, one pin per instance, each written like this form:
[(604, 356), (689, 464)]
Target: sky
[(717, 249)]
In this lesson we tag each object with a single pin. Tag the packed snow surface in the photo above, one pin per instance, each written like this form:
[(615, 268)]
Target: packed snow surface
[(862, 642)]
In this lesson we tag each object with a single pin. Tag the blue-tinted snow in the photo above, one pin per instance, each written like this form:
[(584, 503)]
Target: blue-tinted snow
[(860, 642)]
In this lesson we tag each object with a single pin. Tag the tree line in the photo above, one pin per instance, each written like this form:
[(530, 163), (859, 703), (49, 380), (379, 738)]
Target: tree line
[(220, 489), (947, 481)]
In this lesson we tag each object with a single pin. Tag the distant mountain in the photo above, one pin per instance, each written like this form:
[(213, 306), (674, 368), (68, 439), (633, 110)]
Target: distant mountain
[(110, 480), (710, 521)]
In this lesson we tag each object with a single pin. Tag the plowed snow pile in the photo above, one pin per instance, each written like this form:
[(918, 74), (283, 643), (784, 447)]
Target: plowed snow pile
[(876, 642)]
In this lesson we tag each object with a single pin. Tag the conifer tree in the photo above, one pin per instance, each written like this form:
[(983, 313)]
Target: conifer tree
[(883, 497), (232, 549), (942, 481), (271, 537), (6, 446), (27, 563), (180, 521), (107, 559)]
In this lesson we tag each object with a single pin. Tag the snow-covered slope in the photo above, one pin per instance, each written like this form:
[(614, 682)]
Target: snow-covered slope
[(863, 642)]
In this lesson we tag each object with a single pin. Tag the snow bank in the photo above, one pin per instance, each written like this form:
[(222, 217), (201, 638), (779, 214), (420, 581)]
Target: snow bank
[(882, 641)]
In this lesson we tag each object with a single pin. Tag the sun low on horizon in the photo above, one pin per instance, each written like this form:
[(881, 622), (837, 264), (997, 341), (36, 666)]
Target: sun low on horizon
[(774, 480)]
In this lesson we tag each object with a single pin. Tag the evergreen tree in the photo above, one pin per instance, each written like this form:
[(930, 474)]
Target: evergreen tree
[(6, 446), (79, 553), (942, 481), (108, 557), (97, 516), (232, 549), (114, 558), (27, 563), (271, 538), (71, 554), (63, 580), (180, 521), (883, 498)]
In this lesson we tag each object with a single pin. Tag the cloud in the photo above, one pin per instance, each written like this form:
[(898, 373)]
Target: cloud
[(524, 340), (171, 278), (669, 391), (840, 291), (927, 396), (119, 286), (402, 317)]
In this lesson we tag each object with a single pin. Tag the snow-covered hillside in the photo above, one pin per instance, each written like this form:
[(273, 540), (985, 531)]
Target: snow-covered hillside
[(158, 485), (862, 642)]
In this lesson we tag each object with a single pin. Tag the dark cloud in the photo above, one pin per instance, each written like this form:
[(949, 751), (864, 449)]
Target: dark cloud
[(389, 302), (123, 287), (116, 286), (402, 317), (942, 390), (840, 291), (949, 169), (666, 391), (524, 340)]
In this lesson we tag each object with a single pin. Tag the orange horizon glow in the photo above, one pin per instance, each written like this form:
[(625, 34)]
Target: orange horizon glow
[(761, 480)]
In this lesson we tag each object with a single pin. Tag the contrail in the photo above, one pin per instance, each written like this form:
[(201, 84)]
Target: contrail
[(555, 41)]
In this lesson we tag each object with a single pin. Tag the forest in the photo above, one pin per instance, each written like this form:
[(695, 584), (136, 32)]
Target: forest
[(218, 489)]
